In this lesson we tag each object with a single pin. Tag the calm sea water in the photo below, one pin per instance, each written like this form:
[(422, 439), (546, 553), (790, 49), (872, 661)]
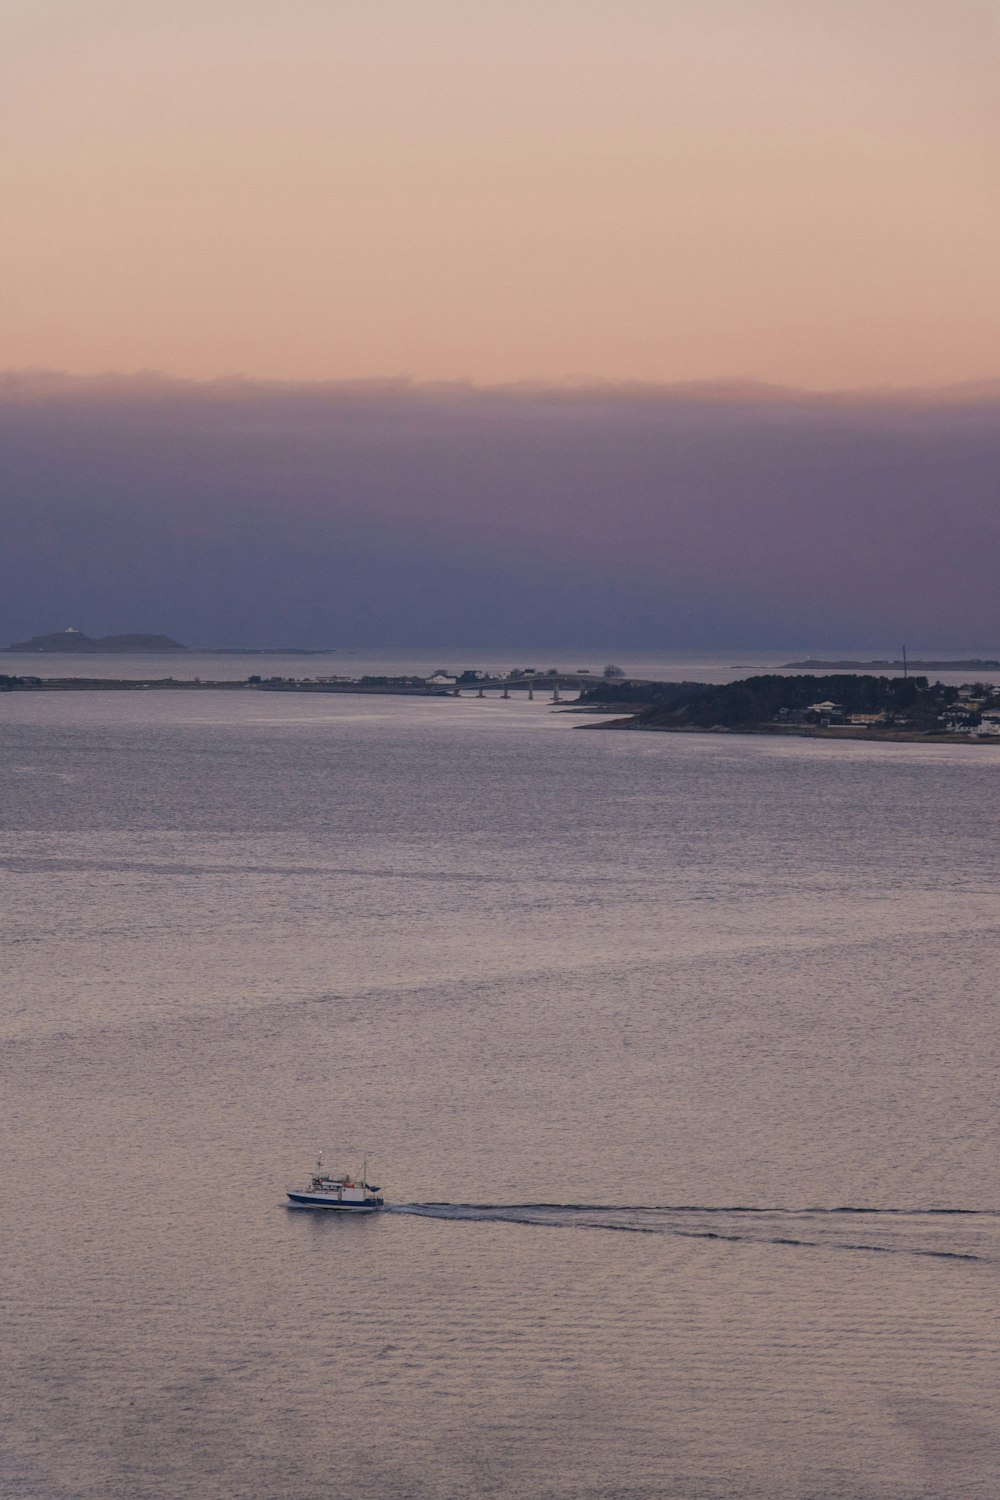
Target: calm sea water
[(676, 1057)]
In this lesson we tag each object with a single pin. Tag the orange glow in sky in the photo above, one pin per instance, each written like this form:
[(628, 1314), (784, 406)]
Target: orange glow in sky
[(797, 191)]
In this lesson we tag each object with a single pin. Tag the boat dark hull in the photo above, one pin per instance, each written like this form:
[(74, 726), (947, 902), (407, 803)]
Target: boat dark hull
[(314, 1200)]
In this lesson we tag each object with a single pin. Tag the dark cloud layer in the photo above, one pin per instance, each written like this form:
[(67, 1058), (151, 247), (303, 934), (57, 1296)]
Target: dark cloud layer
[(247, 513)]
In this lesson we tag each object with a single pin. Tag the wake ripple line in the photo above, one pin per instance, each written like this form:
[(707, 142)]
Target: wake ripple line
[(749, 1239), (708, 1208), (508, 1214)]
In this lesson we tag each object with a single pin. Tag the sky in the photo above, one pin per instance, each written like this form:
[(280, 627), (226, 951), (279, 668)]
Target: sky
[(448, 274), (388, 513)]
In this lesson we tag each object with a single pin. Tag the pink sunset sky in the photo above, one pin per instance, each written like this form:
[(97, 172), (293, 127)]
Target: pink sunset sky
[(796, 191), (645, 321)]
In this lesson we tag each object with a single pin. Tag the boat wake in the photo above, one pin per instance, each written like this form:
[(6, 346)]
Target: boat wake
[(963, 1234)]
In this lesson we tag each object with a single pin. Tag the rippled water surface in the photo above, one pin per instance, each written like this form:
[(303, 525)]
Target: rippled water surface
[(676, 1058)]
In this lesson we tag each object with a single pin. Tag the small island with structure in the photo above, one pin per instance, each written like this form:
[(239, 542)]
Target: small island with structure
[(138, 643), (61, 641)]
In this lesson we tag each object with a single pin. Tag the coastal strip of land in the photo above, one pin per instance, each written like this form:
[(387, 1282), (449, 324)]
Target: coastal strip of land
[(439, 684), (846, 706), (811, 732)]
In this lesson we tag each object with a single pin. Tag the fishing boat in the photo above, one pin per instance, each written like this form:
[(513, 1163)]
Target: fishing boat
[(355, 1195)]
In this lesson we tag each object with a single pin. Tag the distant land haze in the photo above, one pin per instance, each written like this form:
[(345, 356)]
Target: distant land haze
[(57, 642), (77, 640), (919, 663)]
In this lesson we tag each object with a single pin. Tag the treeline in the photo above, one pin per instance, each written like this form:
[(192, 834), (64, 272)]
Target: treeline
[(759, 700), (654, 693)]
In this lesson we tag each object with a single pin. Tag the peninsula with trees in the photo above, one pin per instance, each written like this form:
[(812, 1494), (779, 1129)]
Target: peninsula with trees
[(840, 705)]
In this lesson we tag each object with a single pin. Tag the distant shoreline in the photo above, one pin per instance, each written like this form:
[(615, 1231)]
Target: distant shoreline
[(804, 731), (75, 651), (639, 719), (190, 684), (918, 664)]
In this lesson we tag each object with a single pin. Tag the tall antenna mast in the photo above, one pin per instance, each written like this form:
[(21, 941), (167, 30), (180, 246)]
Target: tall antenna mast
[(904, 661)]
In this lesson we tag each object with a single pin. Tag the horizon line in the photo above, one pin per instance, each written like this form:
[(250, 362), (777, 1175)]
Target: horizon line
[(40, 381)]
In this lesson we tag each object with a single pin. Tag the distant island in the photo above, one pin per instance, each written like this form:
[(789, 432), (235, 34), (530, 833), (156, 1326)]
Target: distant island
[(59, 642), (62, 641), (972, 664)]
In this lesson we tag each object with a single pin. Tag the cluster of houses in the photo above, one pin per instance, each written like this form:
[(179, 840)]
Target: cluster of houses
[(975, 711)]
